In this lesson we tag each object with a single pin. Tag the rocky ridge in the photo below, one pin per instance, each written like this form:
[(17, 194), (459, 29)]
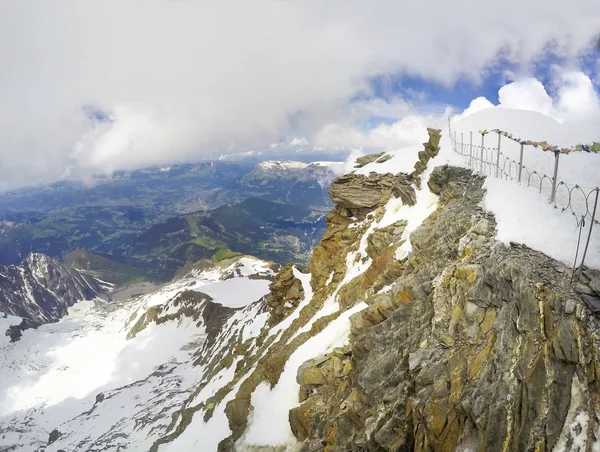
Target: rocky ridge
[(354, 259), (476, 346), (41, 289)]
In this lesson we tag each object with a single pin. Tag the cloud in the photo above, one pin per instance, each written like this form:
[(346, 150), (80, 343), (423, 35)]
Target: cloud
[(526, 94), (185, 79), (408, 131)]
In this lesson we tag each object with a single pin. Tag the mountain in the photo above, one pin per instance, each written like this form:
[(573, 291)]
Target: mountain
[(100, 267), (101, 230), (125, 368), (107, 217), (174, 189), (418, 324), (292, 182), (272, 231), (40, 290)]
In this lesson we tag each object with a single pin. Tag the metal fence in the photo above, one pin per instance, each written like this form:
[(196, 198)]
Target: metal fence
[(580, 202)]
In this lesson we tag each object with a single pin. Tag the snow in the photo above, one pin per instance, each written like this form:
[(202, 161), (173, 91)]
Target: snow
[(280, 164), (329, 279), (54, 373), (578, 433), (237, 292), (51, 377), (268, 424), (522, 213), (206, 436), (255, 326), (402, 161), (524, 216)]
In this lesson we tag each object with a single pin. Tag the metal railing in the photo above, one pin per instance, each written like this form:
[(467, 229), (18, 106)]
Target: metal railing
[(581, 202)]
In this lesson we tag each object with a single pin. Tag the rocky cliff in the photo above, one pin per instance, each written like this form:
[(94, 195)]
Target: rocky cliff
[(475, 346), (41, 289)]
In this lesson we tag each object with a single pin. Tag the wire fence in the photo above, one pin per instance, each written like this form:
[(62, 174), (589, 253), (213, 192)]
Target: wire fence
[(581, 202)]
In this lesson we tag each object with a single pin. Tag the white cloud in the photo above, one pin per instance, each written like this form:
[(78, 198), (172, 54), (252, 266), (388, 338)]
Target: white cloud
[(478, 104), (526, 94), (407, 131), (184, 79)]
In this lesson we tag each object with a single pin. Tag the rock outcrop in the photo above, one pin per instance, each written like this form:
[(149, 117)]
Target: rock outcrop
[(360, 194), (476, 346), (285, 294), (431, 149)]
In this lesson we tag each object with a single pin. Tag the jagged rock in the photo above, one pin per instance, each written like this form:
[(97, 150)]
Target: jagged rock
[(53, 437), (382, 238), (41, 289), (214, 315), (285, 294), (14, 332), (310, 376), (237, 410), (570, 306), (592, 302), (301, 422), (366, 159), (595, 284), (384, 158), (355, 191), (431, 149), (191, 304)]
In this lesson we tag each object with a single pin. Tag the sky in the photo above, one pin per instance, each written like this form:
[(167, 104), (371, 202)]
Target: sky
[(92, 87)]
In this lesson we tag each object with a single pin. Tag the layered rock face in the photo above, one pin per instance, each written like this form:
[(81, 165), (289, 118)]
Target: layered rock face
[(475, 346), (40, 289)]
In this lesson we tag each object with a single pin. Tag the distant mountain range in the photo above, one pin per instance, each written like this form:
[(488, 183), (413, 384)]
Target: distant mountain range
[(148, 223)]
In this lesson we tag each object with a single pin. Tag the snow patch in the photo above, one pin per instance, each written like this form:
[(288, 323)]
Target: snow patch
[(237, 292), (401, 161)]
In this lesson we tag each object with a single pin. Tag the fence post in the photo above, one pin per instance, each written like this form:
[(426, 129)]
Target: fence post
[(471, 151), (462, 145), (455, 141), (554, 181), (587, 244), (482, 143), (521, 163), (498, 157)]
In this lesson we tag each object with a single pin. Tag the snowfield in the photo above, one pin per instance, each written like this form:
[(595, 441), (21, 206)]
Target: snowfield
[(85, 378), (523, 214)]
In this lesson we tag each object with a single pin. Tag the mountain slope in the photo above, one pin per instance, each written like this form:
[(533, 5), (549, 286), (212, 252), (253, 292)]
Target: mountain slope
[(268, 230), (40, 289), (291, 182), (102, 268), (114, 373)]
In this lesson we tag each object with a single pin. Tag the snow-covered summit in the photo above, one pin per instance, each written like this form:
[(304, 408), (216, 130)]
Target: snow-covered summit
[(281, 165), (286, 172)]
